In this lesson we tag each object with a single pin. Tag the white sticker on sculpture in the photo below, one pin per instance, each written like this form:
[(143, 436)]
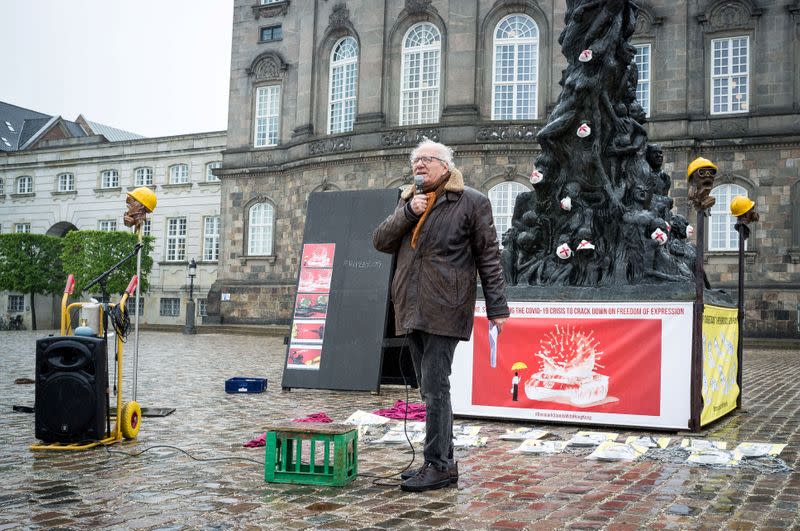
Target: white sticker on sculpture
[(660, 236)]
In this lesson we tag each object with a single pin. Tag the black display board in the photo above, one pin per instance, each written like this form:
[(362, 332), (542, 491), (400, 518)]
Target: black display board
[(347, 352)]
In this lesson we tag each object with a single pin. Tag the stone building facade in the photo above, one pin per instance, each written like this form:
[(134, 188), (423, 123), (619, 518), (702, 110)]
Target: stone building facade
[(720, 78), (79, 181)]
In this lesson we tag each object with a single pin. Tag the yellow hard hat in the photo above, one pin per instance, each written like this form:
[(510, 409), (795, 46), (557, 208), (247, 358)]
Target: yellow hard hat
[(146, 197), (741, 205), (698, 163)]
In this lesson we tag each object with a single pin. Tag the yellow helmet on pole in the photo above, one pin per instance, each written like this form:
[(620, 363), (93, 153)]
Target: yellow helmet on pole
[(145, 196), (698, 163), (741, 205)]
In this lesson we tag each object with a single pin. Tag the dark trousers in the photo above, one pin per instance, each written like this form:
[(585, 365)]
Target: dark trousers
[(432, 356)]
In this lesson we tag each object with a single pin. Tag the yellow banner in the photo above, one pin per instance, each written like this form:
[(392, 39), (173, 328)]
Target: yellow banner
[(720, 363)]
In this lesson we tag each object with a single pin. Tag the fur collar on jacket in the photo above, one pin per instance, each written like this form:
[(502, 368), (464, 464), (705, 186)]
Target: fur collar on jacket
[(455, 184)]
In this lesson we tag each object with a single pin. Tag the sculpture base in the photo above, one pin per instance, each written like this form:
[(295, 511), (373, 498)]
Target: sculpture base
[(667, 291), (599, 362)]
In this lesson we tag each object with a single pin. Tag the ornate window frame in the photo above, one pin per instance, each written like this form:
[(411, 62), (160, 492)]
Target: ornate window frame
[(720, 207), (342, 65), (246, 240), (268, 69), (724, 19), (418, 52), (414, 12), (516, 42), (484, 72)]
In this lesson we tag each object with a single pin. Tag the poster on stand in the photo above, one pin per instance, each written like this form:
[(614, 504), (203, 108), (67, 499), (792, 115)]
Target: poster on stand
[(311, 306), (720, 362), (611, 363)]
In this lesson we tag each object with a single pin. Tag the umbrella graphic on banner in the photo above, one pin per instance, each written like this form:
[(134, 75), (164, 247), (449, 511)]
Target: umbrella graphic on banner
[(518, 366)]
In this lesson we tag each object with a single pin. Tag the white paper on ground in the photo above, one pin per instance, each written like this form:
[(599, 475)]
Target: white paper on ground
[(591, 438), (360, 418), (613, 451), (522, 434), (535, 446)]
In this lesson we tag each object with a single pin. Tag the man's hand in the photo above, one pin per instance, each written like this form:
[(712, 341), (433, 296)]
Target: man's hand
[(498, 322), (419, 203)]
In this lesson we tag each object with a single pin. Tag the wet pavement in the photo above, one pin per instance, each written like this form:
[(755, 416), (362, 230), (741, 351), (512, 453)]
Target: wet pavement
[(165, 489)]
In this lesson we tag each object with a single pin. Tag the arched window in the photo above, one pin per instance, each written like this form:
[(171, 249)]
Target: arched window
[(109, 179), (343, 83), (502, 198), (421, 65), (143, 177), (515, 72), (267, 119), (66, 182), (179, 174), (25, 184), (721, 235), (260, 225), (210, 167)]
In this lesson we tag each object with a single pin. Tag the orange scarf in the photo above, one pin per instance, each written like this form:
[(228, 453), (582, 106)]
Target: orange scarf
[(432, 197)]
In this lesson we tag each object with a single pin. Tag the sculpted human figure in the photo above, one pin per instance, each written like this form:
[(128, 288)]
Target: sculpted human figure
[(744, 209), (662, 203), (678, 247), (140, 202), (523, 219), (701, 174)]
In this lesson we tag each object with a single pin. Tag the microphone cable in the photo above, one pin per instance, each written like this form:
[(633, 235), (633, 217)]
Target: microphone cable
[(379, 480)]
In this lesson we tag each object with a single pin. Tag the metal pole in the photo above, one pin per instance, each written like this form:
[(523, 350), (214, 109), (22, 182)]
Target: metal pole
[(136, 317), (189, 327), (740, 228), (696, 381)]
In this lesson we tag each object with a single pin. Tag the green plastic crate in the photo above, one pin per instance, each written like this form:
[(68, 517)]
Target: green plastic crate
[(311, 453)]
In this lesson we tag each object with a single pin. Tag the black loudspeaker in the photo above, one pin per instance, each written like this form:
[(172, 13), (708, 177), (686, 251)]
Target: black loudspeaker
[(71, 383)]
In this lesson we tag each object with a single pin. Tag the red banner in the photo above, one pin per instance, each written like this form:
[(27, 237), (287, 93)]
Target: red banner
[(593, 365)]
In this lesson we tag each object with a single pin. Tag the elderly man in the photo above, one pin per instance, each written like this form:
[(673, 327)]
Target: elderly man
[(441, 235)]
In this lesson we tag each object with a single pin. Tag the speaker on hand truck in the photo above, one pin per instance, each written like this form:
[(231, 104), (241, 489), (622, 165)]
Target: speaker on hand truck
[(71, 384)]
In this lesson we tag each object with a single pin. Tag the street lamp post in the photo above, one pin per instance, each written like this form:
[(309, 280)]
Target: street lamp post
[(744, 210), (190, 328)]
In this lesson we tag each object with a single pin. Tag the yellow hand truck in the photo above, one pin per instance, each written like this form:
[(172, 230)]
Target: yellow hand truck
[(128, 418)]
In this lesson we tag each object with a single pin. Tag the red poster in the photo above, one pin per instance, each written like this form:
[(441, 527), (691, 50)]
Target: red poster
[(314, 281), (304, 357), (318, 254), (311, 306), (597, 365), (308, 331)]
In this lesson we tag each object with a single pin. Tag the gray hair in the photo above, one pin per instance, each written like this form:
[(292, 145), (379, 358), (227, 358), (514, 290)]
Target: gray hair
[(443, 152)]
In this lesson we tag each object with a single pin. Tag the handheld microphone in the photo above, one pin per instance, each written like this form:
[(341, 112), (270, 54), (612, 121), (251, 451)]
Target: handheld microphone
[(419, 180)]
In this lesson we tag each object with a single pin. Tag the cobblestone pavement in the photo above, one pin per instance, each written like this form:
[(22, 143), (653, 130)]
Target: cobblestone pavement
[(164, 489)]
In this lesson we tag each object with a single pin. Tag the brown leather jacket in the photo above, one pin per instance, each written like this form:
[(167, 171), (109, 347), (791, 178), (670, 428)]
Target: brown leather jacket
[(434, 286)]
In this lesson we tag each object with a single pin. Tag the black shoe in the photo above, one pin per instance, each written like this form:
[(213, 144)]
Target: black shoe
[(428, 478), (452, 470)]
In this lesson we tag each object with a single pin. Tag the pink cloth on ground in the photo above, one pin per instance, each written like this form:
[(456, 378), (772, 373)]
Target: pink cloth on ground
[(398, 411), (261, 440)]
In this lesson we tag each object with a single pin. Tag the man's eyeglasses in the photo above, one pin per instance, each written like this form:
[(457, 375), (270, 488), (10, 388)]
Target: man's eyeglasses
[(426, 160)]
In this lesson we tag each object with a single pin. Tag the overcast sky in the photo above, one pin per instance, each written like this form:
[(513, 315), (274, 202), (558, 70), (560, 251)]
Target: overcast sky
[(153, 67)]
